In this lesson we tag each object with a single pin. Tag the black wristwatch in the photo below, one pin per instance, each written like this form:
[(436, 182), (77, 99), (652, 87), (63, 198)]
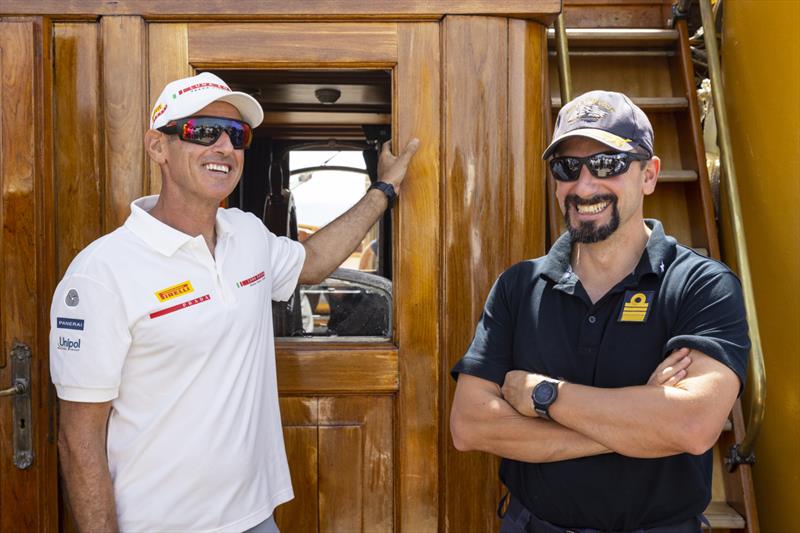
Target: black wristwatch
[(544, 395), (386, 189)]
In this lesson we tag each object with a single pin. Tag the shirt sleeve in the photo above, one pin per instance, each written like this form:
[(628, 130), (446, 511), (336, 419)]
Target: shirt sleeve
[(490, 355), (89, 340), (286, 258), (712, 320)]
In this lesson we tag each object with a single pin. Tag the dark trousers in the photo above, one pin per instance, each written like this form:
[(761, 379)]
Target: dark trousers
[(518, 519)]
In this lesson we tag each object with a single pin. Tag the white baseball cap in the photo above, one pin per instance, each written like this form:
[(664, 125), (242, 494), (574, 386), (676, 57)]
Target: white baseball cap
[(187, 96)]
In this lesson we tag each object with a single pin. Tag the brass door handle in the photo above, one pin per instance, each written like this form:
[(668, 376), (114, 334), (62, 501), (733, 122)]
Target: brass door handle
[(20, 386)]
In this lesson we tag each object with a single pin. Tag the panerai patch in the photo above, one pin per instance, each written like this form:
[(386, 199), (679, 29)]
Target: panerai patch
[(173, 292), (637, 306), (69, 323)]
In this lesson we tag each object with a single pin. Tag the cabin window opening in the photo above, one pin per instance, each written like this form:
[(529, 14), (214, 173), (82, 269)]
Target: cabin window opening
[(310, 161)]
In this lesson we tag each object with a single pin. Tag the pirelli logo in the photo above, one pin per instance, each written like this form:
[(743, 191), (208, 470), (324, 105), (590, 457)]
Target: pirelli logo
[(637, 306), (173, 292)]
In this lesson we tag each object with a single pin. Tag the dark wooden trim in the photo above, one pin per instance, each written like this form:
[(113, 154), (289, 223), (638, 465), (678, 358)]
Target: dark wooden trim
[(543, 11)]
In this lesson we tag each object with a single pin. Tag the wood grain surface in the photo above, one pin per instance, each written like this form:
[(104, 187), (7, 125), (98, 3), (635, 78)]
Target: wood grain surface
[(542, 10), (79, 168), (475, 225), (28, 497), (125, 111), (308, 44), (417, 82)]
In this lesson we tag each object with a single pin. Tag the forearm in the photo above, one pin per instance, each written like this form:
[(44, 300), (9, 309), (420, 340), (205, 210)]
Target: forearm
[(330, 246), (91, 494), (488, 423), (644, 421)]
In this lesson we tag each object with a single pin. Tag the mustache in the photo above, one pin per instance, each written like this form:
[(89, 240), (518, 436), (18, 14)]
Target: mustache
[(575, 200)]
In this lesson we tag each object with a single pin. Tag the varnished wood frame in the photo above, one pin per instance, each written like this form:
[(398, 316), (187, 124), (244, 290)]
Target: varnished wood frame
[(493, 214), (412, 50), (543, 11), (29, 497)]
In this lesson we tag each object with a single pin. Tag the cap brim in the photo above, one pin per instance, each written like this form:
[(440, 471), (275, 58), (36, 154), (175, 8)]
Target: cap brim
[(248, 106), (609, 139)]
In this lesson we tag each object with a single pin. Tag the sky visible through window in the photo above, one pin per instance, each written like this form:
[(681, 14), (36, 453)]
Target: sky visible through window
[(323, 195)]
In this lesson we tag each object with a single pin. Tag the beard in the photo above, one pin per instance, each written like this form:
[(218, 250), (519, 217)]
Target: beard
[(590, 232)]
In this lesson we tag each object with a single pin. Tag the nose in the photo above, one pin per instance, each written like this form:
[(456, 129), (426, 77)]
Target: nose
[(586, 183)]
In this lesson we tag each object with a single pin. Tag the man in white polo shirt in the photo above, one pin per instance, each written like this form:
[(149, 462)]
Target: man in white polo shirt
[(161, 343)]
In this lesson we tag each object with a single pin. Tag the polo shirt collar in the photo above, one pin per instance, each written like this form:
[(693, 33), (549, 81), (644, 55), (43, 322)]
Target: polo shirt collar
[(659, 252), (159, 236), (656, 258)]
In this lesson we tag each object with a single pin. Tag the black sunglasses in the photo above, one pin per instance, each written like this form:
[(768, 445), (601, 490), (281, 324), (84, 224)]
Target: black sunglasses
[(602, 165), (207, 130)]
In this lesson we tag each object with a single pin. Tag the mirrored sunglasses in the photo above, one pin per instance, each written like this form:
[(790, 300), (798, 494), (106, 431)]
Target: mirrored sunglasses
[(207, 130), (602, 165)]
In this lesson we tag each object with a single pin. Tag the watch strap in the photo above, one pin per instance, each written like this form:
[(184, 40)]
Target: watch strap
[(386, 189)]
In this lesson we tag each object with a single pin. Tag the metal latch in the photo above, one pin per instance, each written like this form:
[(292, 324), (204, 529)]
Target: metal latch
[(20, 390)]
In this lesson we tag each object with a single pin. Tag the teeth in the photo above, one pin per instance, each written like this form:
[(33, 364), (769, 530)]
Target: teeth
[(218, 168), (591, 209)]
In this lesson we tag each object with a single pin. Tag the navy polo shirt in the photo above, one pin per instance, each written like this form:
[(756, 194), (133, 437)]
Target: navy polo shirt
[(539, 318)]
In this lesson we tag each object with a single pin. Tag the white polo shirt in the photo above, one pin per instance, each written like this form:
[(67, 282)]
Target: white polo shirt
[(182, 344)]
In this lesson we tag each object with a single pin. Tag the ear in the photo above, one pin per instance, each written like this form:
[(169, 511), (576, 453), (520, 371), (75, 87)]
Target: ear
[(651, 172), (155, 144)]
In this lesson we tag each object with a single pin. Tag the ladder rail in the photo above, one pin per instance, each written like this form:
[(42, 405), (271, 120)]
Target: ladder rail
[(742, 453)]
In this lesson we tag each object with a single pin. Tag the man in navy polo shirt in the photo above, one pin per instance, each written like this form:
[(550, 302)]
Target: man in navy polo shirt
[(603, 372)]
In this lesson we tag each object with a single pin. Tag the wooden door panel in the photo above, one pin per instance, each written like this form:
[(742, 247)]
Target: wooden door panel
[(28, 494), (341, 487), (340, 455)]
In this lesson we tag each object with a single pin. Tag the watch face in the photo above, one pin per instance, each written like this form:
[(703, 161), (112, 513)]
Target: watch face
[(543, 393)]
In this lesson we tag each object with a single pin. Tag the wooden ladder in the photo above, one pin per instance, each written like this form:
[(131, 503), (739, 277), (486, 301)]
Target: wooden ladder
[(652, 65)]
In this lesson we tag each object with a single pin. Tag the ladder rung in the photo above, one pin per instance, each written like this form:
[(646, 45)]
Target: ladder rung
[(627, 37), (704, 252), (647, 103), (677, 176), (617, 53), (723, 516)]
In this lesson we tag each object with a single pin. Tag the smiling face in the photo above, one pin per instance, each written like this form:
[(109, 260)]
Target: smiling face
[(596, 208), (202, 175)]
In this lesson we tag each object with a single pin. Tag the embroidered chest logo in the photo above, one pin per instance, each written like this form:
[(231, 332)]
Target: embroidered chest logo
[(173, 292), (637, 306), (258, 278)]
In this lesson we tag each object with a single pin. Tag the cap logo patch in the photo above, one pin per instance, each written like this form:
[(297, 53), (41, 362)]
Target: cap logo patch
[(173, 292), (590, 110), (637, 306), (158, 111), (72, 298), (203, 85), (612, 139), (251, 281)]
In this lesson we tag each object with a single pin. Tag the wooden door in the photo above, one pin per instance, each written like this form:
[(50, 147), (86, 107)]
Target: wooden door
[(28, 480), (360, 420)]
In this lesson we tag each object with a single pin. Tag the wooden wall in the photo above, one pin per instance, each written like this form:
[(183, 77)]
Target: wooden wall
[(494, 109), (474, 88)]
